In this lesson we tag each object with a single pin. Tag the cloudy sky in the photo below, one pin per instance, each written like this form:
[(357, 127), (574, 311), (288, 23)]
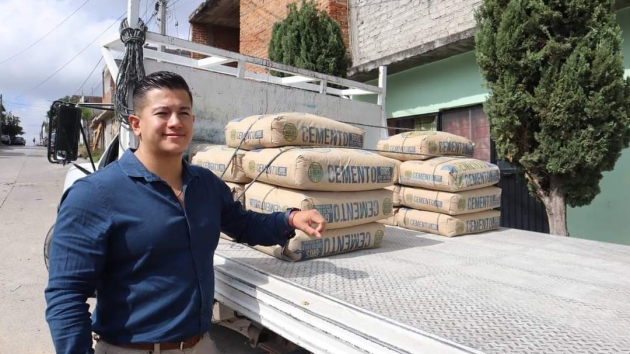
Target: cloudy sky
[(25, 85)]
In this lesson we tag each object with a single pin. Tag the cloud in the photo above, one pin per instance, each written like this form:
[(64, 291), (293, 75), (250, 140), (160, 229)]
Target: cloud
[(26, 21)]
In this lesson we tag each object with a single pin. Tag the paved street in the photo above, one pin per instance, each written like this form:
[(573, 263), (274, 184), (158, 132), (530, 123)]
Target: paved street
[(30, 189)]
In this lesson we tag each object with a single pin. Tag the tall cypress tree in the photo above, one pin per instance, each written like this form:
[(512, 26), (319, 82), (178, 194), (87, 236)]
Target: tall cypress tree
[(559, 106), (309, 39)]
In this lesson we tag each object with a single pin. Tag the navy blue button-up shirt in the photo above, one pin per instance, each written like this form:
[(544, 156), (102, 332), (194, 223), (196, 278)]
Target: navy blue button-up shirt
[(122, 232)]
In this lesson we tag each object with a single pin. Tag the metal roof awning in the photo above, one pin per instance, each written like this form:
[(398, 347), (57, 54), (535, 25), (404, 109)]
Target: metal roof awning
[(217, 12)]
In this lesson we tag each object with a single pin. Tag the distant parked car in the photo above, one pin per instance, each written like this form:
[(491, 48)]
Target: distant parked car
[(5, 139), (18, 140)]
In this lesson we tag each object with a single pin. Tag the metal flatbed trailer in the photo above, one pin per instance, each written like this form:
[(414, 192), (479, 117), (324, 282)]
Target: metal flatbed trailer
[(506, 291)]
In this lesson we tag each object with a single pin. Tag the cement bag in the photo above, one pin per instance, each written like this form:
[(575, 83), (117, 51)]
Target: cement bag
[(225, 237), (455, 203), (449, 174), (448, 225), (303, 247), (423, 145), (396, 170), (217, 157), (291, 129), (320, 169), (392, 220), (340, 209), (395, 189), (237, 190)]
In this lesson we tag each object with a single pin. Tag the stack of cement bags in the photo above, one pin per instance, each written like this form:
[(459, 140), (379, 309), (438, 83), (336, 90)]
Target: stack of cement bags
[(226, 163), (297, 160), (442, 189)]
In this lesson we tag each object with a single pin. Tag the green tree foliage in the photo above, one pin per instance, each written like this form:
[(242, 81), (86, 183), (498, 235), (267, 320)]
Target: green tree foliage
[(559, 105), (11, 125), (309, 39)]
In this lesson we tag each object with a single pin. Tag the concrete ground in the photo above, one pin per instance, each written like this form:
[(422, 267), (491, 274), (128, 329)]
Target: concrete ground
[(30, 189)]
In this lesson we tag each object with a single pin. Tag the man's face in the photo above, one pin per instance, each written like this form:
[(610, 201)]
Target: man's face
[(164, 122)]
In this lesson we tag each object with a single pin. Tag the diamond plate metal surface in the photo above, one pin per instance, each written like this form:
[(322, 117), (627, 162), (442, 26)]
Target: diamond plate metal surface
[(507, 291)]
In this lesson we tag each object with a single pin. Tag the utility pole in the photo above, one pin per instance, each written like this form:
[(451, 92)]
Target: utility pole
[(161, 18)]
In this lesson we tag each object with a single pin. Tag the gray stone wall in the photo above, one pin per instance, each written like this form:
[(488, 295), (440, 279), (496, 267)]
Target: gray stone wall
[(381, 28)]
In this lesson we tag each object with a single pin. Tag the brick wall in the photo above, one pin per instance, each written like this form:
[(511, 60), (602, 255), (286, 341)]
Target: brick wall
[(225, 38), (257, 19), (385, 27), (217, 36), (200, 34)]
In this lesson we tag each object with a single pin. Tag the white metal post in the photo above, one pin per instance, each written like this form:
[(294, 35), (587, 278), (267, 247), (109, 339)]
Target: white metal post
[(382, 84)]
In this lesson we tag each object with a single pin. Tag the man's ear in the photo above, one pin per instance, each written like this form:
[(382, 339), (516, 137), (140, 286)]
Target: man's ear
[(134, 123), (194, 118)]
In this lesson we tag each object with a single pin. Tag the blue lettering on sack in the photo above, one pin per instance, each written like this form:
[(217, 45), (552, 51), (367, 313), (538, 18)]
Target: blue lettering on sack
[(258, 134), (343, 212), (423, 225), (425, 177), (219, 167), (331, 137), (347, 174), (427, 201), (483, 224), (455, 147), (338, 244), (484, 202), (272, 170)]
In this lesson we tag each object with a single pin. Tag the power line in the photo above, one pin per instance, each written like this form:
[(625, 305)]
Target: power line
[(46, 35), (66, 64), (87, 78), (170, 6)]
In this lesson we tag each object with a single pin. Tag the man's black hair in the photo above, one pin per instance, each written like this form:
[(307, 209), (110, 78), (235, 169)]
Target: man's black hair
[(157, 80)]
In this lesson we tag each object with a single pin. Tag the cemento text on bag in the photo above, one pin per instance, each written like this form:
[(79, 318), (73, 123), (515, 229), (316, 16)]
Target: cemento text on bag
[(273, 170), (423, 224), (212, 166), (349, 211), (258, 134), (331, 137), (484, 202), (482, 224), (337, 244), (455, 147), (359, 174), (265, 206), (481, 178), (425, 177), (427, 201)]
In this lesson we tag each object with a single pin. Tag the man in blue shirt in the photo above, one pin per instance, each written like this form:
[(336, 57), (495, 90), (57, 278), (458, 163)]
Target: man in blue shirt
[(142, 233)]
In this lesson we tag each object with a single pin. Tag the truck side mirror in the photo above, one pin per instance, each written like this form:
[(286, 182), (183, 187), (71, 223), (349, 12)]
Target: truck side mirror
[(63, 147)]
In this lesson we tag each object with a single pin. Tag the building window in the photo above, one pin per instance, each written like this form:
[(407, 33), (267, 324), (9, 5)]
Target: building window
[(472, 123), (419, 123)]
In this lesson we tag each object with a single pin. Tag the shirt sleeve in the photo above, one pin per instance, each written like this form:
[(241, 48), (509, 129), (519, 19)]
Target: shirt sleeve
[(252, 228), (76, 259)]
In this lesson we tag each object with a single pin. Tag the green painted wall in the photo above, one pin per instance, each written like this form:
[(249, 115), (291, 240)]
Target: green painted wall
[(456, 81), (607, 218), (448, 83)]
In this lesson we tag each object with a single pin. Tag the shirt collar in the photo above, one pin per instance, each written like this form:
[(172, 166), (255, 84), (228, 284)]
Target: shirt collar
[(132, 167)]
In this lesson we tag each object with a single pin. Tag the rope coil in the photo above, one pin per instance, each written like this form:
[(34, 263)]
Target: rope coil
[(131, 68)]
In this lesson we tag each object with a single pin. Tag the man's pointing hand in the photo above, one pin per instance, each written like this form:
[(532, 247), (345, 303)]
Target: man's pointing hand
[(302, 220)]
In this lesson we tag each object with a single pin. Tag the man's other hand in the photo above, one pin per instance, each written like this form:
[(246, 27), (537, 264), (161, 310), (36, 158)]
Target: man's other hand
[(302, 220)]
